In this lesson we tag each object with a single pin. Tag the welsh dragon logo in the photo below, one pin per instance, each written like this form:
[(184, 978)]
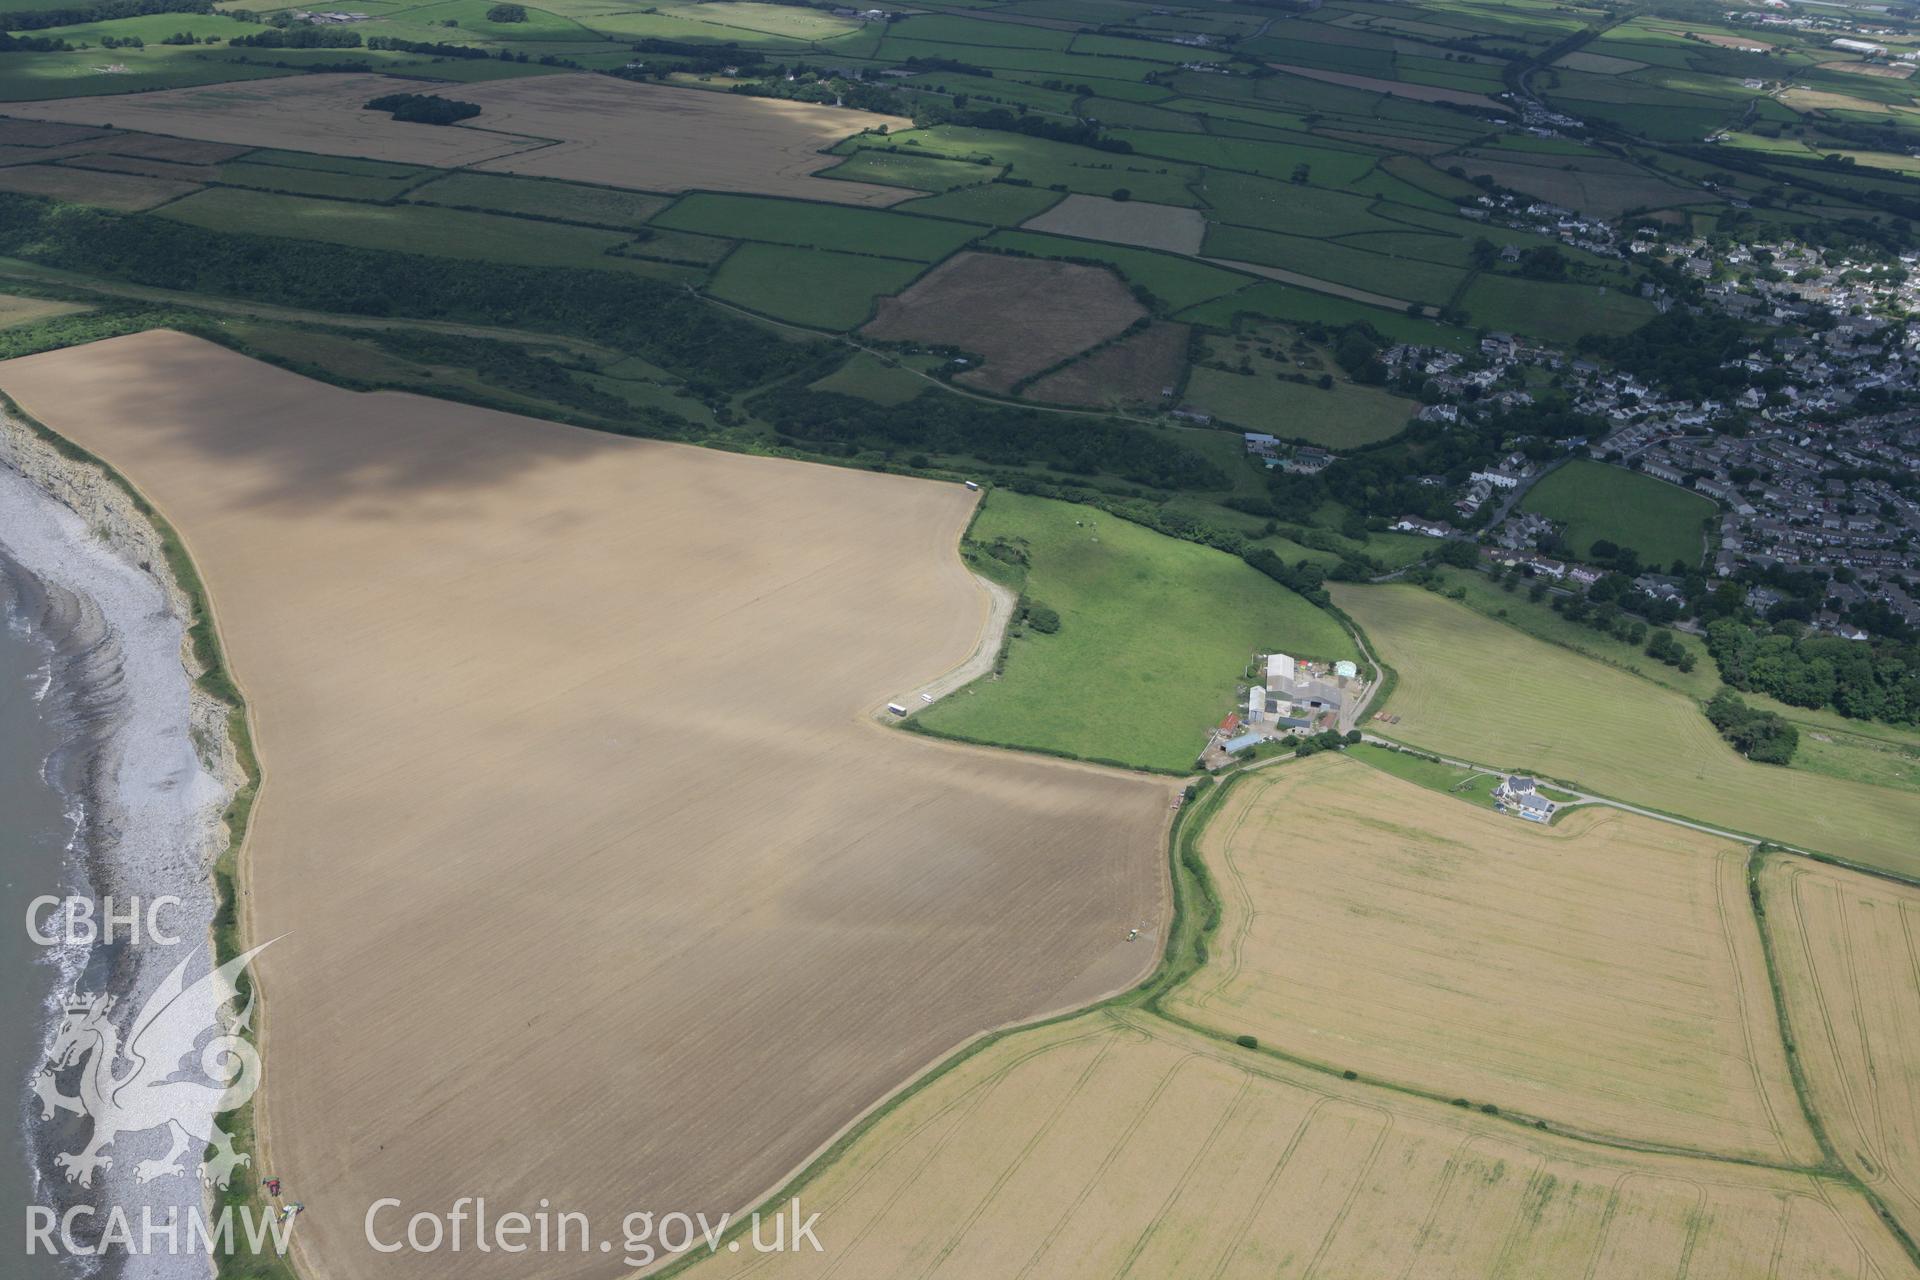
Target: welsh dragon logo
[(154, 1091)]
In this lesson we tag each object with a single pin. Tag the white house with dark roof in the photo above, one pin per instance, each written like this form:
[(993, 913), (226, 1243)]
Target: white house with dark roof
[(1519, 793)]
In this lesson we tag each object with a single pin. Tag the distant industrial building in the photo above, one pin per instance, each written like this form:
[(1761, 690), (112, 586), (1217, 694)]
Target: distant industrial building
[(1862, 46)]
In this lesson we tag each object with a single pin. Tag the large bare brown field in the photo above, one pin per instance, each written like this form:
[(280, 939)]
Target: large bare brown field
[(319, 113), (1134, 369), (1021, 315), (1118, 1144), (1151, 226), (583, 127), (1850, 974), (661, 139), (598, 881), (1603, 974)]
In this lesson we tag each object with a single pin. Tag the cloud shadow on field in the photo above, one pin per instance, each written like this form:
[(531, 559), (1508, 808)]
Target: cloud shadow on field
[(285, 440)]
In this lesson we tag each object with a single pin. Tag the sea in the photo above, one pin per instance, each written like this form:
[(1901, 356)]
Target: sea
[(37, 826)]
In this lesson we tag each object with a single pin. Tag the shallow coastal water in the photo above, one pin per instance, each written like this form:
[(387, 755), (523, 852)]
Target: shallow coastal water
[(117, 716), (34, 831)]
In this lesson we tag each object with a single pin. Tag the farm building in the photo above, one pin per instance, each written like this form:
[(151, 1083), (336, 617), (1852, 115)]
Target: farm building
[(1519, 793), (1234, 745), (1279, 669), (1862, 46), (1256, 704), (1345, 670)]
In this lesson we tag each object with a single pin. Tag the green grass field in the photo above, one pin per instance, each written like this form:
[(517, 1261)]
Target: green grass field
[(307, 181), (446, 233), (1472, 688), (1154, 633), (904, 169), (866, 377), (1556, 312), (818, 226), (542, 198), (811, 287), (1661, 521), (997, 204), (1343, 417)]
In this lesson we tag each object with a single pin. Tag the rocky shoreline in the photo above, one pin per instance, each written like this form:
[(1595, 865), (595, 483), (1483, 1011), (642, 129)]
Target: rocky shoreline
[(151, 766)]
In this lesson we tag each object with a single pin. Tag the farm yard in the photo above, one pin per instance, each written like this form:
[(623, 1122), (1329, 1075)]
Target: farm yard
[(1602, 975), (297, 497), (1661, 521), (1127, 675)]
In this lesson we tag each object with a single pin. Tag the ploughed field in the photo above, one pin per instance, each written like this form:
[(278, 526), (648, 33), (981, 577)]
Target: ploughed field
[(598, 884), (584, 128)]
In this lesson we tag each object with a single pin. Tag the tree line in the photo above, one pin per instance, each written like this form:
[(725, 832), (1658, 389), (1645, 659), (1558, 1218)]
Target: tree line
[(1002, 436), (1866, 681), (712, 350)]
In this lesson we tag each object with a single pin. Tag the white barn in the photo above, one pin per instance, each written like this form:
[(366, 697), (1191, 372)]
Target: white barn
[(1256, 704), (1279, 669)]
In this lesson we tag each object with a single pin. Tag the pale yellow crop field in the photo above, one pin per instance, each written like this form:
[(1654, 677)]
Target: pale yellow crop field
[(1119, 1145), (1850, 972), (1603, 974), (1474, 688), (581, 127), (598, 882)]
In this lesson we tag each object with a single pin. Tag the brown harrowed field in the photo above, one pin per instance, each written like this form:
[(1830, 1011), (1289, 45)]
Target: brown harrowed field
[(582, 127), (598, 882), (128, 192), (1136, 368), (1021, 315), (1603, 974)]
